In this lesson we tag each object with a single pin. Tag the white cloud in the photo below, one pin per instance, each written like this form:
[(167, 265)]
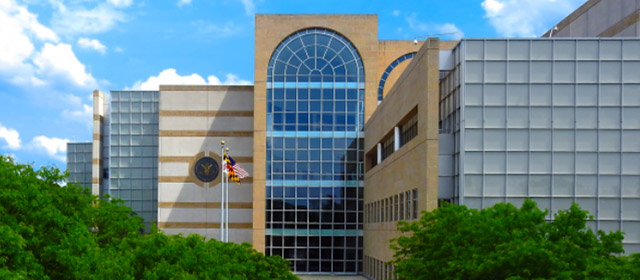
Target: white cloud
[(59, 60), (249, 6), (171, 77), (82, 115), (11, 136), (17, 29), (82, 20), (216, 30), (54, 147), (183, 2), (121, 3), (92, 44), (396, 13), (118, 49), (526, 18), (450, 29)]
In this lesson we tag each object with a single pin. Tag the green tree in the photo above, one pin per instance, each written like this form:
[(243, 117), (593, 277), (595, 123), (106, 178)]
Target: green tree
[(49, 231), (504, 242)]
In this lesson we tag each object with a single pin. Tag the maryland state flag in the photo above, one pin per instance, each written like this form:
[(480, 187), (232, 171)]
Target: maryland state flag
[(234, 170)]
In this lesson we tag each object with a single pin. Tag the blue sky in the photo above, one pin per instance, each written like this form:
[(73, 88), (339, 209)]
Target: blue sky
[(54, 53)]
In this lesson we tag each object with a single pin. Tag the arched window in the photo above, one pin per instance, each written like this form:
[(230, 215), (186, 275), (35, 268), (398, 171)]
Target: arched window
[(387, 71), (314, 152)]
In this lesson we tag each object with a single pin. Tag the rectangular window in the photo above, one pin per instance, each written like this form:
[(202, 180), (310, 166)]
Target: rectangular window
[(409, 130), (415, 203), (387, 147), (401, 204), (395, 207), (407, 205)]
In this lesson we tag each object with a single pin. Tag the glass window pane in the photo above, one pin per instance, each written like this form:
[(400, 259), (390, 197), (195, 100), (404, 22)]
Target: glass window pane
[(496, 72), (540, 162), (563, 95), (587, 117), (518, 95), (517, 185), (540, 95), (473, 95), (609, 163), (494, 117), (517, 117), (494, 162), (494, 185), (587, 72), (473, 118), (609, 118), (631, 163), (609, 140), (563, 163), (518, 72), (494, 140), (494, 94), (587, 95), (473, 162), (540, 185), (586, 185), (563, 140), (518, 162), (540, 140), (563, 118), (610, 72), (540, 117), (586, 163), (517, 140), (564, 72), (631, 118), (473, 185)]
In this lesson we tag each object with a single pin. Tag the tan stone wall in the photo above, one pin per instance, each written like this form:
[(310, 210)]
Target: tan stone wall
[(414, 165), (192, 122), (388, 52), (270, 30)]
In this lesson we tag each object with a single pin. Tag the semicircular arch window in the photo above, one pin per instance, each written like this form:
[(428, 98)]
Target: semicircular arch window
[(390, 68)]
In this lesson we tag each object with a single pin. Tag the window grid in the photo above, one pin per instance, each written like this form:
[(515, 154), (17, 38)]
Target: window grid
[(315, 116), (554, 120), (133, 152)]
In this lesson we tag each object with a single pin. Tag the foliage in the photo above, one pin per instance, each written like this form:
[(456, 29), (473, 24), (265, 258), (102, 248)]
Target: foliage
[(48, 231), (504, 242)]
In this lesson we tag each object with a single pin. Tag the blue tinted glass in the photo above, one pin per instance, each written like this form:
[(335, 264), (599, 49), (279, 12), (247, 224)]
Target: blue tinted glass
[(308, 100)]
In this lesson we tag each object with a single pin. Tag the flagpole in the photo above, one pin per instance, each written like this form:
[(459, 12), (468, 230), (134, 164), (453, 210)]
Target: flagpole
[(222, 191), (227, 206)]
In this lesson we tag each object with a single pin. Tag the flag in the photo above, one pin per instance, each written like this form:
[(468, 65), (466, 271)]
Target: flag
[(234, 170)]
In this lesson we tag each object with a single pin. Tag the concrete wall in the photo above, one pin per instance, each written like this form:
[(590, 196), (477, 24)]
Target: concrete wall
[(192, 122), (601, 18), (414, 165)]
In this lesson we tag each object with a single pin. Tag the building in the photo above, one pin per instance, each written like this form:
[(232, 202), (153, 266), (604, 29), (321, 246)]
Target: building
[(344, 134)]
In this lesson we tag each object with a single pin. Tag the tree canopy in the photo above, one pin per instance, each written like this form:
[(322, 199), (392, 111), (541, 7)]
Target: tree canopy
[(48, 231), (504, 242)]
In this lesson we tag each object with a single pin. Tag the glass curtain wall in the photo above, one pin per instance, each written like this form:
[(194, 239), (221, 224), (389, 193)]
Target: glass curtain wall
[(315, 119), (134, 151), (557, 121)]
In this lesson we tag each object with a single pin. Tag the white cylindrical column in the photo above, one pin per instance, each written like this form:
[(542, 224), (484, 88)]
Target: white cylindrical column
[(379, 158), (396, 138)]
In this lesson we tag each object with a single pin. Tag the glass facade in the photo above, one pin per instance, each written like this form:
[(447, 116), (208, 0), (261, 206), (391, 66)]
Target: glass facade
[(133, 162), (79, 160), (554, 120), (314, 156)]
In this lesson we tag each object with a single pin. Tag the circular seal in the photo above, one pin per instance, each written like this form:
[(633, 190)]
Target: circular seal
[(206, 169)]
